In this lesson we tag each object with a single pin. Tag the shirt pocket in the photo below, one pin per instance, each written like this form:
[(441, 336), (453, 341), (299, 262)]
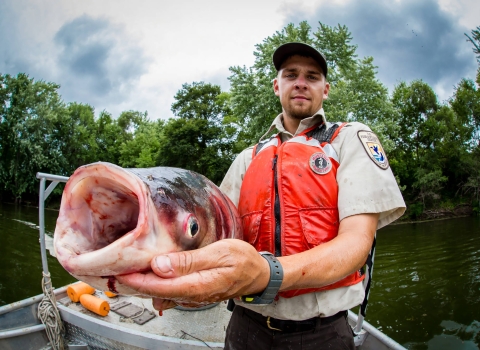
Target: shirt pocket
[(251, 226), (319, 225)]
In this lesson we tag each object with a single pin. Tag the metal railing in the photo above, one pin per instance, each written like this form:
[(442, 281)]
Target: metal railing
[(43, 195)]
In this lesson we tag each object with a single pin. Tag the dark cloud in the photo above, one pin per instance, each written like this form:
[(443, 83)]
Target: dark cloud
[(408, 39), (93, 60), (85, 50), (98, 58)]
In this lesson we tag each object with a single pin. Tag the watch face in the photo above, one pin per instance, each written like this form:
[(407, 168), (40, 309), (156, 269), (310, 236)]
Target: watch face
[(265, 253)]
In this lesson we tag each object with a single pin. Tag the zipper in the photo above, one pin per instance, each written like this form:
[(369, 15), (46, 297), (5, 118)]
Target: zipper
[(278, 245)]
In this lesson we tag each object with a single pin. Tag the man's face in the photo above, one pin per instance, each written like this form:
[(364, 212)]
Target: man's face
[(301, 86)]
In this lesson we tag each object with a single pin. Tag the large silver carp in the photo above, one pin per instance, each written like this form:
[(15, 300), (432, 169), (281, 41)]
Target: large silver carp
[(113, 221)]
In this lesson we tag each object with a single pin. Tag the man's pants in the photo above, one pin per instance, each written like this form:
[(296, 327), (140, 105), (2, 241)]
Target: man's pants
[(249, 330)]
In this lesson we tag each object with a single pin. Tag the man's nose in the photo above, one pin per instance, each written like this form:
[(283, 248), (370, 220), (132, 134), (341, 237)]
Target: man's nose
[(300, 83)]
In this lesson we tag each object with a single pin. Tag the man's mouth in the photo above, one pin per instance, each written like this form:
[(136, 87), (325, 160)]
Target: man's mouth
[(300, 98)]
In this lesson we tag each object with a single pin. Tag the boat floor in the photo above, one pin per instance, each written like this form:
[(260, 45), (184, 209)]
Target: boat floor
[(205, 325)]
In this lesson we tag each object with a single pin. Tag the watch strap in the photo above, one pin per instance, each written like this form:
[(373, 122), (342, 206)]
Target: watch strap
[(276, 278)]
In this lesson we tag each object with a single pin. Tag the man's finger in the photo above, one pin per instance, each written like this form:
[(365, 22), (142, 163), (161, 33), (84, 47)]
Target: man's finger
[(185, 263), (162, 304), (183, 288)]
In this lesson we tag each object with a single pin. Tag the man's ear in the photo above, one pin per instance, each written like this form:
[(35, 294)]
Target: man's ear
[(326, 91), (275, 87)]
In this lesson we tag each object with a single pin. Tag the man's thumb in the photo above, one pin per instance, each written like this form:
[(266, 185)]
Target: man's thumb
[(169, 266), (162, 266)]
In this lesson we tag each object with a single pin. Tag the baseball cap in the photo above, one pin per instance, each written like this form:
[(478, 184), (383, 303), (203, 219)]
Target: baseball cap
[(290, 49)]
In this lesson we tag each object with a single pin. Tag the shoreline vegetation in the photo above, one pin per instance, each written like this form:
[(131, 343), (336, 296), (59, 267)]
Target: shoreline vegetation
[(461, 211), (433, 147)]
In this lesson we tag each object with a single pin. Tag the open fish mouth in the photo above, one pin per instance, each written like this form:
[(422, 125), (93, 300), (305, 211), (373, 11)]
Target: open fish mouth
[(109, 208), (103, 206)]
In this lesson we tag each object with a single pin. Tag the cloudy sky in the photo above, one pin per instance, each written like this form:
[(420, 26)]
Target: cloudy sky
[(122, 55)]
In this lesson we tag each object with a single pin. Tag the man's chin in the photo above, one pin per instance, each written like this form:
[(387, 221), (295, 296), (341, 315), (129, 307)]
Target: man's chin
[(300, 116), (300, 112)]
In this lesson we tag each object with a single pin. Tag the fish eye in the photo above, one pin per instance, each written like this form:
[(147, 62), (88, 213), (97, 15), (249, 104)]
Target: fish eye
[(192, 226)]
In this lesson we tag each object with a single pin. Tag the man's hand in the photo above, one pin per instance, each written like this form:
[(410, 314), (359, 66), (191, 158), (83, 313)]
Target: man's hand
[(220, 271)]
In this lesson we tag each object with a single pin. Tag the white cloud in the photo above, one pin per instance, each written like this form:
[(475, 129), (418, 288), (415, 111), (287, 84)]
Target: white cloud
[(466, 11)]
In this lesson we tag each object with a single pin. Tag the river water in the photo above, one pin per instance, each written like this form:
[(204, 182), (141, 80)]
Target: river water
[(426, 285)]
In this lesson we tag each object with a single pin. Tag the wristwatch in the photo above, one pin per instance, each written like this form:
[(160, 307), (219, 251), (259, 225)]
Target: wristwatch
[(276, 278)]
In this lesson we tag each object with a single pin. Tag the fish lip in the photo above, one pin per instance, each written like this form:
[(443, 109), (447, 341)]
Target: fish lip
[(73, 259)]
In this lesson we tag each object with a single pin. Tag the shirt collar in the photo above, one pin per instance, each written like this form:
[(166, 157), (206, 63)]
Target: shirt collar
[(317, 118)]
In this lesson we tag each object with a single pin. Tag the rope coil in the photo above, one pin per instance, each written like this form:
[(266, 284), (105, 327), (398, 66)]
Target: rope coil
[(50, 316)]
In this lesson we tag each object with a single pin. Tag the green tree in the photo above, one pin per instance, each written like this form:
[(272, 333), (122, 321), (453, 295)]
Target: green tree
[(77, 135), (198, 138), (30, 115), (472, 184), (475, 40), (106, 138), (142, 150), (112, 133), (431, 143), (415, 104), (466, 104), (128, 123), (429, 184)]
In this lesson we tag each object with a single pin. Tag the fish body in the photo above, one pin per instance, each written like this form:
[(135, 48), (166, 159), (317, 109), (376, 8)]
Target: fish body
[(113, 221)]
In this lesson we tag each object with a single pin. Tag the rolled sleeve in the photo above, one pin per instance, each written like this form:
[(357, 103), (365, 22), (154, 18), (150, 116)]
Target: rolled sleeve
[(364, 187), (232, 182)]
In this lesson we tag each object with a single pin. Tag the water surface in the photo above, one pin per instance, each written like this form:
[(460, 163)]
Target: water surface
[(426, 284), (20, 259)]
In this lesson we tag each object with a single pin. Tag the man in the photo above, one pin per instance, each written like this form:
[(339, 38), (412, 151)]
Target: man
[(313, 196)]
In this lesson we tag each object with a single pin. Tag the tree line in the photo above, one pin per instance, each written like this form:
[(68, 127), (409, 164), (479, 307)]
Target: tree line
[(433, 147)]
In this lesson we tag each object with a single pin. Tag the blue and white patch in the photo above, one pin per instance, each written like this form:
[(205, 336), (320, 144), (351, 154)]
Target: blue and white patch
[(320, 163), (374, 149)]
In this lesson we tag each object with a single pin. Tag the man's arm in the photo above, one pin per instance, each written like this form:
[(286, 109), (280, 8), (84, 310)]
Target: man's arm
[(231, 268)]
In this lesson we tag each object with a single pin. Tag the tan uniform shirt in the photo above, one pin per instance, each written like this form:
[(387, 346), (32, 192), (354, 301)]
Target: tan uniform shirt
[(363, 187)]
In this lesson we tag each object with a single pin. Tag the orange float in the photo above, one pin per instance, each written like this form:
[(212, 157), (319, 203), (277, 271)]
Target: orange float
[(110, 294), (97, 305), (75, 291)]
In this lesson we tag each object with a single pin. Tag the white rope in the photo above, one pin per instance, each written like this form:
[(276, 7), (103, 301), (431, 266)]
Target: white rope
[(50, 316)]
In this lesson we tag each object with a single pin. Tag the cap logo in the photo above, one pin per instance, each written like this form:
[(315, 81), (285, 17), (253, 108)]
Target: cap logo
[(320, 163), (374, 149)]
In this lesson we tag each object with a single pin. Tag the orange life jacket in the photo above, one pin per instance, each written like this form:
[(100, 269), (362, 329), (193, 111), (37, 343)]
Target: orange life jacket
[(289, 194)]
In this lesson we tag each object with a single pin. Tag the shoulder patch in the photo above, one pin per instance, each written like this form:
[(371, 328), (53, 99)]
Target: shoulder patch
[(374, 149)]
